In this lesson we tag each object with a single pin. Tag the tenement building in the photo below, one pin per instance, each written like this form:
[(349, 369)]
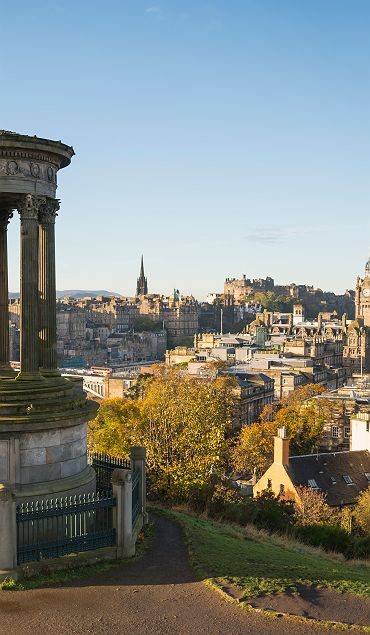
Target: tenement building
[(43, 417)]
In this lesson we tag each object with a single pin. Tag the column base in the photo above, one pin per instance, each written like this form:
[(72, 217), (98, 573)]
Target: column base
[(50, 372), (6, 371), (25, 376)]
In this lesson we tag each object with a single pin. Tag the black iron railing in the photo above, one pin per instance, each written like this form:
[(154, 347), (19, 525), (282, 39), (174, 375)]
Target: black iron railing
[(104, 464), (54, 528)]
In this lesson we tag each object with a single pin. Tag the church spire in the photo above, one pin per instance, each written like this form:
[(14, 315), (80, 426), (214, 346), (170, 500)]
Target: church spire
[(142, 283)]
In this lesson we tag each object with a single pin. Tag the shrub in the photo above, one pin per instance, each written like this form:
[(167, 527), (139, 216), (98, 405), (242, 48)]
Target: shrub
[(329, 537), (362, 511), (361, 547), (272, 513)]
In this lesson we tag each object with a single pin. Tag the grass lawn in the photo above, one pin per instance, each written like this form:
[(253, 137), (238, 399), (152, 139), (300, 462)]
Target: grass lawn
[(263, 567)]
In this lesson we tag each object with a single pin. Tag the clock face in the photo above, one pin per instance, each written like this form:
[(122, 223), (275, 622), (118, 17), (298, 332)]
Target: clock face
[(366, 293)]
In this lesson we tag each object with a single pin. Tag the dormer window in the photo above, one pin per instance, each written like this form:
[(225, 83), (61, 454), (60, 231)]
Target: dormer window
[(367, 474), (347, 479), (333, 480)]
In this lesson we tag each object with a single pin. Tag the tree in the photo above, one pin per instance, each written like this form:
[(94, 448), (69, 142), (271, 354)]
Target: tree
[(183, 423), (362, 511), (254, 448), (113, 430), (312, 509), (304, 419)]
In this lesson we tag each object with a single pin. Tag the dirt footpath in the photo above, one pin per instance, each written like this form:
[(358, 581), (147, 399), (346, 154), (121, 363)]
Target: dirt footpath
[(154, 595)]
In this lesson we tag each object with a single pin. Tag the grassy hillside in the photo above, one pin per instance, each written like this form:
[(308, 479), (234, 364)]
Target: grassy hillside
[(261, 565)]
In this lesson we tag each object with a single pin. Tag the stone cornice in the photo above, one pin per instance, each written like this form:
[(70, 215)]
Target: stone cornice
[(23, 146)]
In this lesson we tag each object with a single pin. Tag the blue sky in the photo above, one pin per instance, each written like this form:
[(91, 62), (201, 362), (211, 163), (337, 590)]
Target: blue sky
[(217, 137)]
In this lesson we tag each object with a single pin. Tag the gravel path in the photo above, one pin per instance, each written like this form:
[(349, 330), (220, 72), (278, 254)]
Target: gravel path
[(154, 595)]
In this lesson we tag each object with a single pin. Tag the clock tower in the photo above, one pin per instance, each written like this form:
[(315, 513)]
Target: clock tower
[(362, 298)]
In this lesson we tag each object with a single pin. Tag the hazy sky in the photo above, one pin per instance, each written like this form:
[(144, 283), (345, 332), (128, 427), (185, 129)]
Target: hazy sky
[(217, 137)]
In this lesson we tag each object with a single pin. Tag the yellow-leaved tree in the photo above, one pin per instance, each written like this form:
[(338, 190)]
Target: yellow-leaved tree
[(182, 422), (304, 418), (113, 429)]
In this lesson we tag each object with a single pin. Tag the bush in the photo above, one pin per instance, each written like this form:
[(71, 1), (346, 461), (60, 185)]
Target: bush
[(361, 547), (272, 513), (329, 537)]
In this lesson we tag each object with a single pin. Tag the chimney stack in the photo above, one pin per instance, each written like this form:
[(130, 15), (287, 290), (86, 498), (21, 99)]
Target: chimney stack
[(281, 447)]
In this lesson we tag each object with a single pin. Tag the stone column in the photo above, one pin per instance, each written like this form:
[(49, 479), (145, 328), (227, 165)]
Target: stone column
[(28, 208), (47, 289), (5, 216)]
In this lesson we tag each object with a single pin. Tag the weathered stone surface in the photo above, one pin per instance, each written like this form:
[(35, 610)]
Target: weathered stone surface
[(74, 466), (41, 473), (4, 461), (36, 456), (40, 439)]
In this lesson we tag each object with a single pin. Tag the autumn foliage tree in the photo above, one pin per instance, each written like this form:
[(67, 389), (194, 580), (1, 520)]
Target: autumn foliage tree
[(304, 419), (183, 423)]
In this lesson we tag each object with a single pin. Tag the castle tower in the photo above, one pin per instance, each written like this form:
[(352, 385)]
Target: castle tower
[(142, 283), (362, 299)]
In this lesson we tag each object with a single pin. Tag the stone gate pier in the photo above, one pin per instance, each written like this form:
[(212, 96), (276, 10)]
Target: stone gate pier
[(43, 417)]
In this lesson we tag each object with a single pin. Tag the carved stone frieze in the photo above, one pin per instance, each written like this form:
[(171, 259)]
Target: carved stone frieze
[(21, 168)]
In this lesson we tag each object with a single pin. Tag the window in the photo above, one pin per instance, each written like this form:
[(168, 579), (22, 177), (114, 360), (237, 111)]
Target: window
[(333, 480), (367, 474), (282, 489), (269, 483), (347, 479), (312, 483), (347, 432), (335, 432)]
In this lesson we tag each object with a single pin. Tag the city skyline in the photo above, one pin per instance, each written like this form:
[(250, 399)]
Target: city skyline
[(244, 150)]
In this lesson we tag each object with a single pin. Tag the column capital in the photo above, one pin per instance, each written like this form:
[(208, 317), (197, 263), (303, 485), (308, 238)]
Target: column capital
[(28, 206), (49, 211), (5, 216)]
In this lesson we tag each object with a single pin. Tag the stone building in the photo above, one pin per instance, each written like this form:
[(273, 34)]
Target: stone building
[(254, 392), (340, 476), (362, 297), (239, 289)]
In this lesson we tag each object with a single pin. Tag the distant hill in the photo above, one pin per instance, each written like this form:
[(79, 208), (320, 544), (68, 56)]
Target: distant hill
[(82, 293), (75, 293)]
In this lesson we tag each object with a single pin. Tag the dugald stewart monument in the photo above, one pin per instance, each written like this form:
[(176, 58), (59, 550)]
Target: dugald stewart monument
[(43, 417)]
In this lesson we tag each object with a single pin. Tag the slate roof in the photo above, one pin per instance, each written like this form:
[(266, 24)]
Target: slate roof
[(327, 470)]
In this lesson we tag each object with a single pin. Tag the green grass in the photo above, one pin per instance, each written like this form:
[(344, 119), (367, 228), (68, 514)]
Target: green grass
[(263, 567)]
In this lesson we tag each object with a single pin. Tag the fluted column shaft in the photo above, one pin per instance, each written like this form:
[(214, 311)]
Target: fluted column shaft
[(29, 210), (47, 289), (5, 216)]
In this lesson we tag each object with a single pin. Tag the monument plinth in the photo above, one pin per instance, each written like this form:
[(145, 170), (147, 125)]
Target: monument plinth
[(43, 417)]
